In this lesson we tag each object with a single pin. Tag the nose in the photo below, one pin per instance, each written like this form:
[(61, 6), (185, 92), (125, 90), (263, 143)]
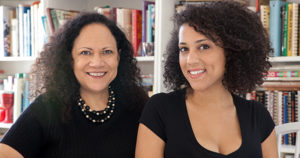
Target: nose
[(193, 58), (96, 60)]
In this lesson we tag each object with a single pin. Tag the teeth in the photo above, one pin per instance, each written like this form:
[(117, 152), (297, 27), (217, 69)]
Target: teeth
[(196, 72), (96, 74)]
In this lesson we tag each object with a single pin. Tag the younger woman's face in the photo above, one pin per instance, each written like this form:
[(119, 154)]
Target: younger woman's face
[(96, 58), (202, 62)]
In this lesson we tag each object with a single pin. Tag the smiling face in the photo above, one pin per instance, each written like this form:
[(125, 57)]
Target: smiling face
[(95, 58), (202, 62)]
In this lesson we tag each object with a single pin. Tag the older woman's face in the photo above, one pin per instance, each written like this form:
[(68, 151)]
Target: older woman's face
[(96, 58), (202, 62)]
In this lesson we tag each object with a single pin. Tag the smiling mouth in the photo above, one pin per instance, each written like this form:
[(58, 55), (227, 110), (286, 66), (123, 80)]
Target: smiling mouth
[(96, 74), (196, 72)]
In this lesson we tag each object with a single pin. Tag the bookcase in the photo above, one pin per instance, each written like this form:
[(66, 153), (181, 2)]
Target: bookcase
[(164, 10)]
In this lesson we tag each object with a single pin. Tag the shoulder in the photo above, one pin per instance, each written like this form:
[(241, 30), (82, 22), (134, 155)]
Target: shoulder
[(43, 108), (167, 98), (248, 105), (162, 102)]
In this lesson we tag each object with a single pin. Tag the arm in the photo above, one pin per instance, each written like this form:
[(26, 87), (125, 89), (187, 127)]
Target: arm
[(269, 146), (9, 152), (149, 145)]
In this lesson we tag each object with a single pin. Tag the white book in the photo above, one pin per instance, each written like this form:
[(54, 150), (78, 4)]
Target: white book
[(298, 95), (25, 34), (21, 29), (18, 90), (14, 38), (32, 28)]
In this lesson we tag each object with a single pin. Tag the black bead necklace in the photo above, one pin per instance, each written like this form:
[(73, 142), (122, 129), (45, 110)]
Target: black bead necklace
[(98, 116)]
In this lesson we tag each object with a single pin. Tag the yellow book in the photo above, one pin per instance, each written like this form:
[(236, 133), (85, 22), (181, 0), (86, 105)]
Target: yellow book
[(290, 30)]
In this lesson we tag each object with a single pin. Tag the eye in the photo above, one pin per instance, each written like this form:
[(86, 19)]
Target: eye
[(107, 52), (85, 52), (204, 46), (183, 49)]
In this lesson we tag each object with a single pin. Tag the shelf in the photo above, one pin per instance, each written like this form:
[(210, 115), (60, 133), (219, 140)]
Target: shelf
[(145, 58), (285, 59), (282, 79), (5, 125), (287, 149), (17, 58)]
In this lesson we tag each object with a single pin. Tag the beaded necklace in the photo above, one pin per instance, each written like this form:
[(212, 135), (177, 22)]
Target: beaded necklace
[(98, 116)]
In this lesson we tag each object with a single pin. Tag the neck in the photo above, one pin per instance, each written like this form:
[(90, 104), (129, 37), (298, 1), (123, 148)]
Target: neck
[(96, 101), (214, 98)]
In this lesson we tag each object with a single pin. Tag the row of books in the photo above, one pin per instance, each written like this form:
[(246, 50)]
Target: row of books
[(21, 30), (283, 107), (26, 28), (281, 19), (139, 25), (19, 86), (283, 75), (287, 73)]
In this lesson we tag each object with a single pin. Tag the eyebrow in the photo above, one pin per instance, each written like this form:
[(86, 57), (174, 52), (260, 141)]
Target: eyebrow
[(198, 41), (91, 48), (85, 48)]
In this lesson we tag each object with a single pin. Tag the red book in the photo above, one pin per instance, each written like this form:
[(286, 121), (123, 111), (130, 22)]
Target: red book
[(136, 30)]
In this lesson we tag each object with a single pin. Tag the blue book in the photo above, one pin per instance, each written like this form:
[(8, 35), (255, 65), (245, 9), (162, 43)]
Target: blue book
[(144, 19), (275, 26), (285, 118)]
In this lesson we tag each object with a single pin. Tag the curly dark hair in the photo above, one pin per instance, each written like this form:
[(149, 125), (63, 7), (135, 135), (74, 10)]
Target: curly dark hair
[(53, 73), (235, 28)]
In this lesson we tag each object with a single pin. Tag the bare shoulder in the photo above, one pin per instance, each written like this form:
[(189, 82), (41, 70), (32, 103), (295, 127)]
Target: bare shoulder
[(149, 145), (9, 152)]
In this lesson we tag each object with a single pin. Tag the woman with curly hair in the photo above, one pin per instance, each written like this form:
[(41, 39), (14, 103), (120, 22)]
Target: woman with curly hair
[(91, 96), (217, 50)]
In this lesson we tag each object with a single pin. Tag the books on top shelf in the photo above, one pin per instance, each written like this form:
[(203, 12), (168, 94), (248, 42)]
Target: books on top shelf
[(283, 26), (138, 25), (28, 28), (22, 33), (55, 18)]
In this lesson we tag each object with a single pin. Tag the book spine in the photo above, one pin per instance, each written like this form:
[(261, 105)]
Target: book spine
[(295, 29), (275, 30), (290, 29), (136, 30), (285, 29)]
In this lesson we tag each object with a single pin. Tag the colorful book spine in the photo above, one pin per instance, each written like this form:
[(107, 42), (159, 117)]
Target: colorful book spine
[(295, 19), (275, 30), (290, 30), (283, 74), (144, 19), (136, 30), (285, 28)]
